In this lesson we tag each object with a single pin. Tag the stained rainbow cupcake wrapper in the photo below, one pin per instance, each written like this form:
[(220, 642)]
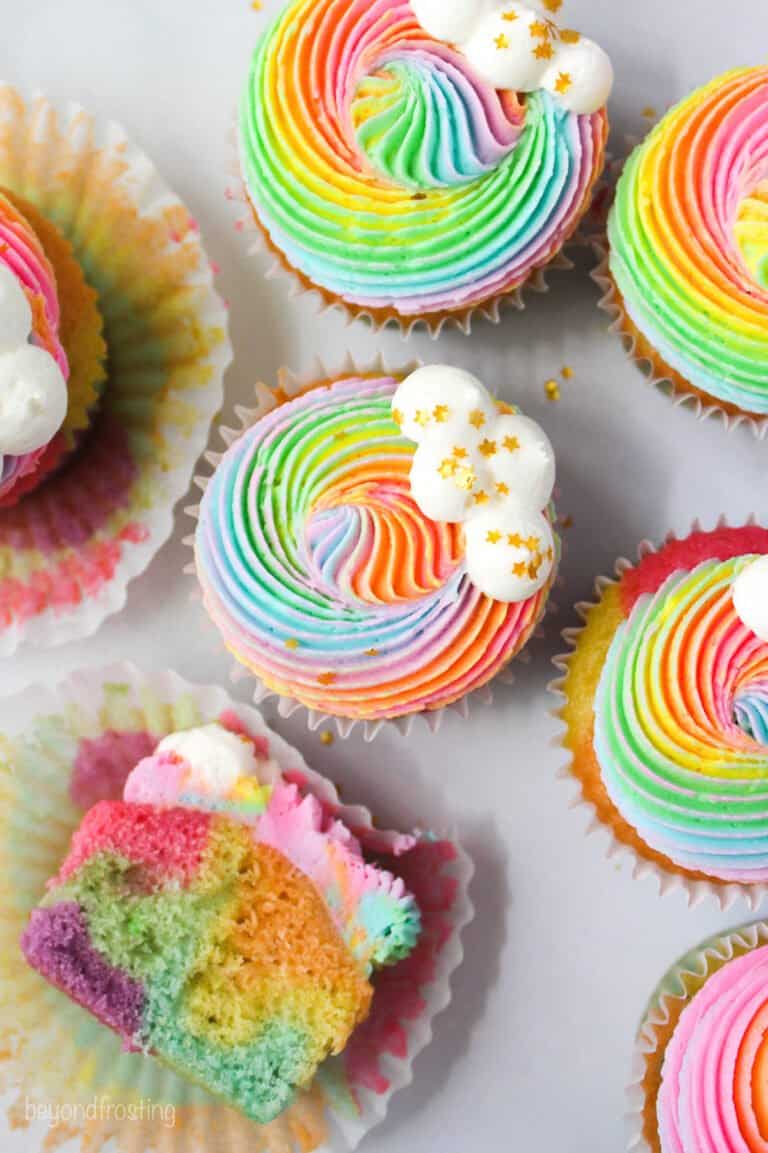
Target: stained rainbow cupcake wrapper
[(266, 398), (725, 893), (68, 551), (75, 745), (670, 997)]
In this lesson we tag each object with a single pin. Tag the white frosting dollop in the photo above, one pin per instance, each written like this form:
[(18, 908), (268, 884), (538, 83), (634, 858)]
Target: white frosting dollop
[(216, 758), (33, 391), (491, 471), (519, 47), (750, 597)]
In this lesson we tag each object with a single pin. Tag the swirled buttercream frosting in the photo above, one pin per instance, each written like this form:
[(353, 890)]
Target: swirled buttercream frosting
[(388, 175), (325, 577), (668, 710), (713, 1091), (689, 242)]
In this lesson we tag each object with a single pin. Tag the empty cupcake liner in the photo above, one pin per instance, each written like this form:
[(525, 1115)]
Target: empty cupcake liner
[(639, 350), (588, 796), (69, 550), (266, 398), (73, 746), (674, 992)]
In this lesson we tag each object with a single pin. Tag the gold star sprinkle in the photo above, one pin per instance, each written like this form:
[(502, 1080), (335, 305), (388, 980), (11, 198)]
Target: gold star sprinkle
[(465, 478), (477, 418), (502, 489), (292, 643), (326, 678), (544, 51), (481, 497), (421, 417), (553, 5), (459, 453), (448, 468), (397, 416), (514, 539), (441, 413), (501, 42), (488, 447), (326, 737), (493, 537), (569, 36), (533, 568), (511, 443), (540, 30), (567, 372), (510, 16), (371, 652), (533, 543), (563, 83), (649, 112), (519, 569), (552, 389), (549, 554)]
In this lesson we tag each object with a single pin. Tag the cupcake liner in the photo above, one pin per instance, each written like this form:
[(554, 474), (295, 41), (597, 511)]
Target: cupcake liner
[(69, 550), (656, 371), (76, 745), (674, 992), (288, 385), (588, 794)]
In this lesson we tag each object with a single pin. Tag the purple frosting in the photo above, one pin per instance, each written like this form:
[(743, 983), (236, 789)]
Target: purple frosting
[(56, 943)]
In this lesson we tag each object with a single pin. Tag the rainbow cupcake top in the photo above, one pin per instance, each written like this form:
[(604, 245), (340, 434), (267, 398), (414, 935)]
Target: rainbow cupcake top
[(33, 364), (322, 565), (220, 921), (680, 711), (713, 1094), (389, 169), (689, 240)]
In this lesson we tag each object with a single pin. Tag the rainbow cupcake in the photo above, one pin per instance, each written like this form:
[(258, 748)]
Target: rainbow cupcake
[(217, 920), (207, 806), (106, 292), (411, 164), (666, 708), (687, 270), (700, 1081), (377, 547)]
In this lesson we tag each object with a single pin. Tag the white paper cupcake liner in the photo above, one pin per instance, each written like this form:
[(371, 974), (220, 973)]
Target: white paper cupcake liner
[(666, 1003), (265, 400), (725, 893), (53, 1051), (168, 349)]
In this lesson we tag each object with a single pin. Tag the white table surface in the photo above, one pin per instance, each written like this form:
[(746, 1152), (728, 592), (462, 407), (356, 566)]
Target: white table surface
[(534, 1051)]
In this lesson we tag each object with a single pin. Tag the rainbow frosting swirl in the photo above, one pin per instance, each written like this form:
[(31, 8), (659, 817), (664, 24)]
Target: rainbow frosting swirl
[(689, 241), (713, 1096), (388, 176), (325, 578)]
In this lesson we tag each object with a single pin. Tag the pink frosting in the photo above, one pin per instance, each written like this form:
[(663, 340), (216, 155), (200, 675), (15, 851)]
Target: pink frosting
[(710, 1099)]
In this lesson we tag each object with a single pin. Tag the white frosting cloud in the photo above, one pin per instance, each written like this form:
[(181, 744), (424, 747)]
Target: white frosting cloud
[(490, 470), (33, 391), (216, 757), (750, 597), (519, 47)]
